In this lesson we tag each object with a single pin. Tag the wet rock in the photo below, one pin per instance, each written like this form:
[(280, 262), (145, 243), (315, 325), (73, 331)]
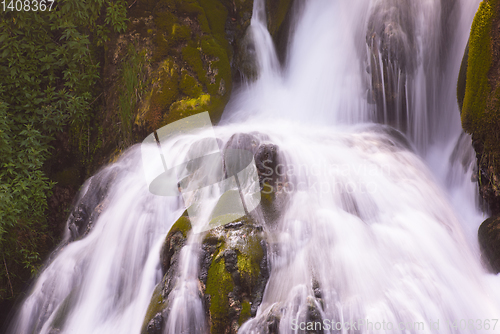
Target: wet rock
[(243, 141), (392, 59), (273, 181), (91, 204), (175, 240), (270, 323), (234, 272), (489, 242)]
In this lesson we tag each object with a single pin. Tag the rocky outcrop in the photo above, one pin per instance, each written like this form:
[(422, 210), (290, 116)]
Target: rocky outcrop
[(481, 107)]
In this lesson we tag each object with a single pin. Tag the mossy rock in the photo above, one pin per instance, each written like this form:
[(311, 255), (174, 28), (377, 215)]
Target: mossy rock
[(234, 272), (175, 240), (481, 103)]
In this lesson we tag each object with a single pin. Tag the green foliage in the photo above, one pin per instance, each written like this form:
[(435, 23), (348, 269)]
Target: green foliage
[(49, 69)]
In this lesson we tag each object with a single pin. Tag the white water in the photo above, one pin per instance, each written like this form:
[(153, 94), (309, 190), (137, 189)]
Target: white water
[(388, 234)]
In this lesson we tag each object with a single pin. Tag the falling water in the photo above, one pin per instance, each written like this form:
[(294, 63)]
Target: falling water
[(376, 227)]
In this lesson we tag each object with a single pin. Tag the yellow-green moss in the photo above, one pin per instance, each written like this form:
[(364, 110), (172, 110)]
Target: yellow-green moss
[(164, 22), (189, 85), (219, 285), (216, 15), (479, 62), (249, 258), (180, 33), (245, 313), (183, 224), (212, 48), (193, 9), (165, 92), (192, 57)]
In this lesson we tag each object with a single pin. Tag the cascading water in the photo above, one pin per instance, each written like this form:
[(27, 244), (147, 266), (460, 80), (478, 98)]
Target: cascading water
[(370, 230)]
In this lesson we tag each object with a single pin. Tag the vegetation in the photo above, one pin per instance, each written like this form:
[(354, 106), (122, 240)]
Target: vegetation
[(49, 68)]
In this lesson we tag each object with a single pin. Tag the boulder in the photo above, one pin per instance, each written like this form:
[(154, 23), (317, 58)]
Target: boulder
[(489, 242)]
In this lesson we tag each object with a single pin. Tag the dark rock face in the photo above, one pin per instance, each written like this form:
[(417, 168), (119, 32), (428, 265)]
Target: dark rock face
[(489, 241), (391, 42), (84, 215), (394, 40)]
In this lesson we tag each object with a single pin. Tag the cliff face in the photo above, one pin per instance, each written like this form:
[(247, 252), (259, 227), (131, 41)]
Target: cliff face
[(480, 99)]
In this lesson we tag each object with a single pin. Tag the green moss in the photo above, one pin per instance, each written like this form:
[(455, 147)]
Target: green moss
[(165, 92), (216, 15), (245, 313), (193, 9), (180, 33), (189, 85), (192, 57), (164, 22), (183, 224), (479, 62), (213, 49), (156, 305), (249, 258), (219, 285)]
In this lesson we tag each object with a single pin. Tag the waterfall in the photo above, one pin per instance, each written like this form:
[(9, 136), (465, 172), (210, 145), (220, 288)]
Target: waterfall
[(380, 224)]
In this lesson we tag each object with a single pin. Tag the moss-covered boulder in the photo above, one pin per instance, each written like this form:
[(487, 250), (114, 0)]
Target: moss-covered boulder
[(234, 272), (481, 104), (489, 242)]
